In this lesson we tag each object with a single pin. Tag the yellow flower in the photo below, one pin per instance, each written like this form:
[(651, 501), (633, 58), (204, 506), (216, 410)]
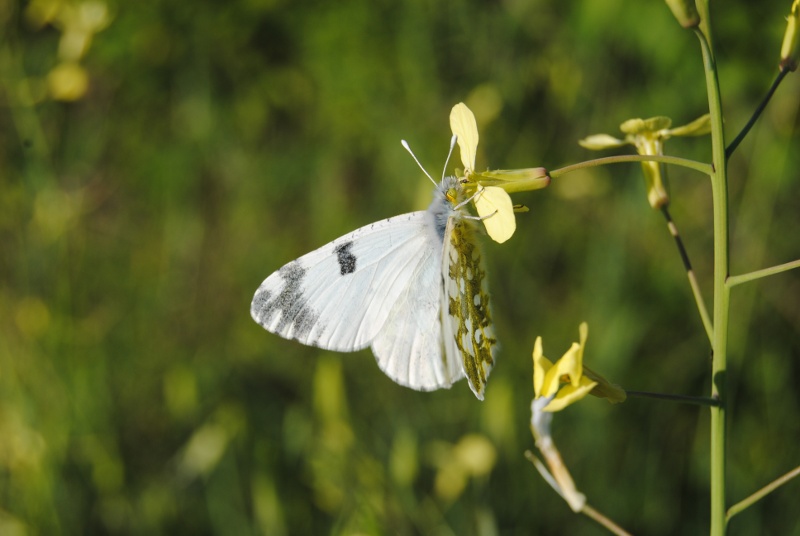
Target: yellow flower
[(547, 376), (556, 386), (492, 201), (648, 136), (567, 381)]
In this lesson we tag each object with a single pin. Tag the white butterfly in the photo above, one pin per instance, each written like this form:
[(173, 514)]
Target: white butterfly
[(412, 287)]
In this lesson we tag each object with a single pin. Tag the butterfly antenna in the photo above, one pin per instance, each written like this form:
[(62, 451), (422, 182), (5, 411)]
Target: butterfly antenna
[(407, 148), (449, 154)]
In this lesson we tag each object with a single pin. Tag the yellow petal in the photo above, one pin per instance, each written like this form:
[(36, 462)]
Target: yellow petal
[(495, 207), (645, 126), (570, 365), (569, 394), (698, 127), (552, 380), (463, 125), (540, 367), (583, 332), (597, 142)]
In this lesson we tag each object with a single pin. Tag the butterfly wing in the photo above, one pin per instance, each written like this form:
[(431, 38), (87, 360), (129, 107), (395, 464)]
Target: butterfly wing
[(379, 285), (409, 347), (466, 319)]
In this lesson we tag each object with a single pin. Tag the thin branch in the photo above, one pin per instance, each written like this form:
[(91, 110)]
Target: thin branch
[(758, 274), (585, 509), (760, 494), (687, 265), (694, 400), (702, 167), (735, 143), (604, 521)]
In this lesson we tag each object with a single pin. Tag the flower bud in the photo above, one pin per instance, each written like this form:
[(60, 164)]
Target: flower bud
[(790, 50), (685, 11)]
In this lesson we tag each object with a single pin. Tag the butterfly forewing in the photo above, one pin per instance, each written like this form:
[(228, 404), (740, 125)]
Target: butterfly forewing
[(465, 304), (339, 296)]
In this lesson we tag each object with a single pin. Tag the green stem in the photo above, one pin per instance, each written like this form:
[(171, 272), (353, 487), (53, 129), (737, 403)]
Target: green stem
[(695, 400), (757, 113), (719, 192), (702, 167), (758, 274), (763, 492)]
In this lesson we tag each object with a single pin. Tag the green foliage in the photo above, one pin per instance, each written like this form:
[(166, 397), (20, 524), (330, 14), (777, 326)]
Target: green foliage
[(215, 142)]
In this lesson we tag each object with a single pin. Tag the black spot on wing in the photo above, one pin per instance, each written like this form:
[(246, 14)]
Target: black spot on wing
[(347, 261), (289, 305)]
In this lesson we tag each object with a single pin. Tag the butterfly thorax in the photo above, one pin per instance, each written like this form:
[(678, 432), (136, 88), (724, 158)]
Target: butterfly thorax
[(446, 197)]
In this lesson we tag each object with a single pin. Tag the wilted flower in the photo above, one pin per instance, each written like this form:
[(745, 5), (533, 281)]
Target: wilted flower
[(648, 136)]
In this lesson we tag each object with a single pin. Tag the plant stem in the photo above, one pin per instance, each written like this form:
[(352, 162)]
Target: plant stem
[(756, 114), (719, 192), (702, 167), (695, 400)]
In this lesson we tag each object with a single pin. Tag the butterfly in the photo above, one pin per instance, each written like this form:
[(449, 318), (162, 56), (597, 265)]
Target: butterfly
[(411, 287)]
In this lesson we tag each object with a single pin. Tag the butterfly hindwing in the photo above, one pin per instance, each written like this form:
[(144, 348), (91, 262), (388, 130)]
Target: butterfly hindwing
[(409, 347), (466, 318)]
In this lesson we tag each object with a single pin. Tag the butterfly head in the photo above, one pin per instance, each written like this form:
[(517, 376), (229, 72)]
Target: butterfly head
[(451, 189)]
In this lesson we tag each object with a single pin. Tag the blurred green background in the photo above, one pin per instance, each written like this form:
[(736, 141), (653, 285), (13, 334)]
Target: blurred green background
[(159, 159)]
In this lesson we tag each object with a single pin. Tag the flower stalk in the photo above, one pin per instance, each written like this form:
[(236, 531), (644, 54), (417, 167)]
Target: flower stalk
[(719, 192)]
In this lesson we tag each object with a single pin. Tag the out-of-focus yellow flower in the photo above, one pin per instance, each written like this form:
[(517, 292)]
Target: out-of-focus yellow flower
[(68, 81), (474, 456), (648, 136), (78, 22), (491, 200)]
